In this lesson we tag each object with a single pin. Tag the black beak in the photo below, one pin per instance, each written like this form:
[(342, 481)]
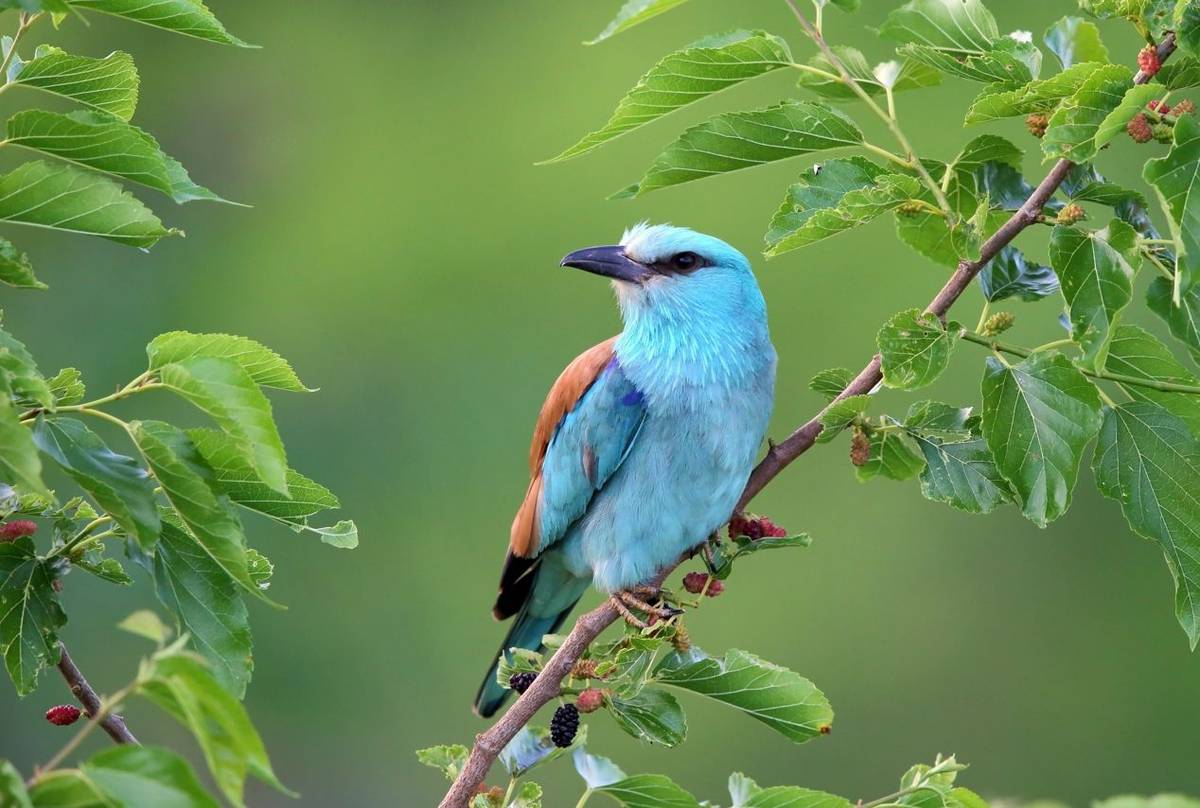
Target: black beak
[(611, 262)]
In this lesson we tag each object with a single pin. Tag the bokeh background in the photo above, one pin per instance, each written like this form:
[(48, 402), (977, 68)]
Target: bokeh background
[(402, 250)]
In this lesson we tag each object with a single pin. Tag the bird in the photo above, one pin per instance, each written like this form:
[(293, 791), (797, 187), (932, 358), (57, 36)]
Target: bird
[(645, 441)]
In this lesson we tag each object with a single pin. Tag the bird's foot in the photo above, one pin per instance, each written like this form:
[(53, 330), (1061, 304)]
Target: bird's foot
[(627, 598)]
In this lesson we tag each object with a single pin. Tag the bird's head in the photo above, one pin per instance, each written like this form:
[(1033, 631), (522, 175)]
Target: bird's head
[(673, 268)]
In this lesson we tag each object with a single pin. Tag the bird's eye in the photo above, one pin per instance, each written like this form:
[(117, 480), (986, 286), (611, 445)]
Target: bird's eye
[(685, 260)]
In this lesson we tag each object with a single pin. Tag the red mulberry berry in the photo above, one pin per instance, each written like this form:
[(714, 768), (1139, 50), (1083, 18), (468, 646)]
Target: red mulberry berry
[(715, 587), (772, 530), (1148, 60), (860, 448), (590, 700), (64, 715), (739, 526), (1159, 107), (1183, 107), (1139, 128), (16, 529), (564, 725), (694, 582), (520, 682)]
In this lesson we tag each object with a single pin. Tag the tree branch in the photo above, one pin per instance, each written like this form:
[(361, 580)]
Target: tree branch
[(112, 723), (588, 627)]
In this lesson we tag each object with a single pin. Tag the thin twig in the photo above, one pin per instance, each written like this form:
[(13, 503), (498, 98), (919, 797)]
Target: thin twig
[(587, 628), (111, 723)]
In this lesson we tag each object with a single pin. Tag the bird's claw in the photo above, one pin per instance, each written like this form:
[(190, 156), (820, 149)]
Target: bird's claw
[(627, 598)]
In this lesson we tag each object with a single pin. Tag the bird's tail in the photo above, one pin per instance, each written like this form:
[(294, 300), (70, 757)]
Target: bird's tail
[(542, 594)]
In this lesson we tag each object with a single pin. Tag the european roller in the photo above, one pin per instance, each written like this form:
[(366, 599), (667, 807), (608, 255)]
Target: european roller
[(646, 440)]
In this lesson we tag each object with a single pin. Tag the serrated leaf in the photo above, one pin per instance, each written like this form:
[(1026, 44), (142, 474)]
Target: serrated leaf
[(915, 348), (225, 391), (794, 797), (594, 769), (962, 474), (821, 186), (15, 268), (109, 84), (1183, 71), (648, 791), (964, 27), (1074, 39), (1133, 102), (19, 461), (1006, 64), (30, 615), (448, 758), (893, 454), (737, 140), (207, 604), (1138, 353), (1184, 319), (831, 382), (118, 483), (62, 197), (1176, 178), (780, 698), (19, 374), (344, 534), (68, 788), (177, 467), (533, 746), (264, 365), (67, 387), (632, 13), (1096, 269), (104, 143), (840, 414), (1036, 96), (1149, 461), (651, 715), (686, 76), (188, 17), (910, 75), (1038, 416), (183, 687), (1074, 126), (1186, 19), (1011, 274), (798, 223), (147, 775), (145, 623)]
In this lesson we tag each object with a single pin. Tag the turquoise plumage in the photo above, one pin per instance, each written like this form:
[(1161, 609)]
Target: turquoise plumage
[(646, 440)]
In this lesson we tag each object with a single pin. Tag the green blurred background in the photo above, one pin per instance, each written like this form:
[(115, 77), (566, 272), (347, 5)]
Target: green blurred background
[(402, 250)]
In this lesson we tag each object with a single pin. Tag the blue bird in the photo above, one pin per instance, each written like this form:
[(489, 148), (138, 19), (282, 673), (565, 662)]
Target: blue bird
[(646, 440)]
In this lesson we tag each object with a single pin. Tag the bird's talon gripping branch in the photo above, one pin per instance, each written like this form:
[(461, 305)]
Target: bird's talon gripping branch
[(630, 598), (630, 618)]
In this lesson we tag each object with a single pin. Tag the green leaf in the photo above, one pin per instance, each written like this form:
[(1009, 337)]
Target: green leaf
[(736, 140), (1074, 39), (633, 13), (781, 699), (95, 562), (686, 76), (1038, 416), (915, 349), (1074, 127), (532, 746), (188, 17), (30, 615), (893, 454), (1176, 178), (652, 715), (1187, 25), (840, 415), (1106, 9), (69, 788), (118, 484), (109, 84), (1096, 269), (1133, 102), (648, 791), (1138, 353), (223, 389), (15, 268), (264, 366), (831, 382), (67, 387), (962, 474), (794, 797), (12, 787), (147, 775), (821, 206), (19, 374), (1036, 96), (62, 197), (963, 27), (207, 604), (910, 75), (19, 462), (1184, 319), (344, 534), (177, 466), (448, 758), (595, 770), (1006, 64), (105, 143), (1011, 274), (183, 687), (1183, 71), (1149, 461), (145, 623)]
